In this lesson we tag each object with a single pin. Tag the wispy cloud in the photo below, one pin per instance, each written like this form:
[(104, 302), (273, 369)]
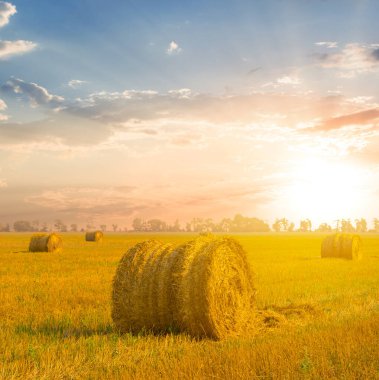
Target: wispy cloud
[(327, 44), (3, 107), (352, 60), (36, 94), (358, 118), (173, 48), (286, 80), (76, 83), (10, 48), (6, 11)]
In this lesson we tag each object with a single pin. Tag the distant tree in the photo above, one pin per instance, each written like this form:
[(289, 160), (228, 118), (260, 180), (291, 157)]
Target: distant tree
[(376, 225), (324, 227), (103, 227), (291, 227), (277, 225), (22, 226), (246, 224), (60, 226), (138, 224), (155, 225), (188, 227), (281, 225), (225, 225), (346, 226), (74, 227), (176, 226), (361, 225), (44, 227), (114, 227), (35, 225), (4, 228), (305, 225)]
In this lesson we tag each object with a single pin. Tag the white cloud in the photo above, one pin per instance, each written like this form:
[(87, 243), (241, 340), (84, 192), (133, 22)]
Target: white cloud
[(173, 48), (294, 81), (37, 95), (285, 80), (327, 44), (6, 11), (352, 60), (76, 83), (11, 48), (3, 107)]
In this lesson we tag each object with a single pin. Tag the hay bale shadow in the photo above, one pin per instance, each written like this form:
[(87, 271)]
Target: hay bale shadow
[(63, 330), (273, 316)]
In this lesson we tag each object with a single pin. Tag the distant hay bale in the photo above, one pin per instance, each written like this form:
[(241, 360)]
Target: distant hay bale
[(94, 236), (45, 243), (203, 287), (351, 247), (345, 246)]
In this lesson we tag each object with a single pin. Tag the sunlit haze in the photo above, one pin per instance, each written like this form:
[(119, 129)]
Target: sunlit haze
[(174, 110)]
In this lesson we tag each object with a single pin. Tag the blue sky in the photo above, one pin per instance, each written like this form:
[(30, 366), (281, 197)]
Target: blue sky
[(88, 83)]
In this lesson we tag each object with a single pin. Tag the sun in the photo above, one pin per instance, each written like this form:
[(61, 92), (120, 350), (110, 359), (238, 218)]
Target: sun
[(326, 191)]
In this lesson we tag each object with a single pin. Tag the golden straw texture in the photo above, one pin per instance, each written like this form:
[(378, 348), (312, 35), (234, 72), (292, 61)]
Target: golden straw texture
[(346, 246), (94, 236), (45, 243), (203, 287)]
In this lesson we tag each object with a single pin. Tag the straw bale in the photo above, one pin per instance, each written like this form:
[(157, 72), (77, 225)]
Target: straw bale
[(94, 236), (346, 246), (203, 287), (45, 243), (351, 247)]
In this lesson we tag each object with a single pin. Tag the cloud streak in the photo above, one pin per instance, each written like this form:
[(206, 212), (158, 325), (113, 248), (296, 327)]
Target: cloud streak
[(359, 118), (76, 83), (11, 48), (36, 94)]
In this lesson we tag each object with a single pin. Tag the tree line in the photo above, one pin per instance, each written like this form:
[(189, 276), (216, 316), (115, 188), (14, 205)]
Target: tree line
[(238, 223)]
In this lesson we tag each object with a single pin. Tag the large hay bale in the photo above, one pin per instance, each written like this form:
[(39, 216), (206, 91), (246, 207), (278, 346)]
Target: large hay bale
[(94, 236), (45, 243), (203, 287), (346, 246)]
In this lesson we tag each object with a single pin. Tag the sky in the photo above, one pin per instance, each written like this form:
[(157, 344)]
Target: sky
[(173, 110)]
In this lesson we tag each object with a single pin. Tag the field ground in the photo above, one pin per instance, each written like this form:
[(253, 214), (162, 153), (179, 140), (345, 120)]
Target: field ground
[(55, 315)]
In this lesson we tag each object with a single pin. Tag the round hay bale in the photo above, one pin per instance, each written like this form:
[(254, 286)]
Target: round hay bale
[(45, 243), (96, 236), (327, 246), (203, 287), (341, 245), (351, 247)]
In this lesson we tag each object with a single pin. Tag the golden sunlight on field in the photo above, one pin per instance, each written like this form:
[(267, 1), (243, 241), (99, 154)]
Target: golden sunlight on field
[(315, 318)]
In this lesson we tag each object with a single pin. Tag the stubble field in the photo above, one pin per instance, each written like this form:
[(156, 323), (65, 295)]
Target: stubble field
[(319, 317)]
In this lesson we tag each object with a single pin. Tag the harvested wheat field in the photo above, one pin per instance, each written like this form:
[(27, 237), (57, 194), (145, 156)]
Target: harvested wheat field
[(314, 318)]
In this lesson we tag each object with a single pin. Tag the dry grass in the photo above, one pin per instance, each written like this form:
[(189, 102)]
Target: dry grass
[(203, 287), (55, 315), (96, 236), (45, 243)]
